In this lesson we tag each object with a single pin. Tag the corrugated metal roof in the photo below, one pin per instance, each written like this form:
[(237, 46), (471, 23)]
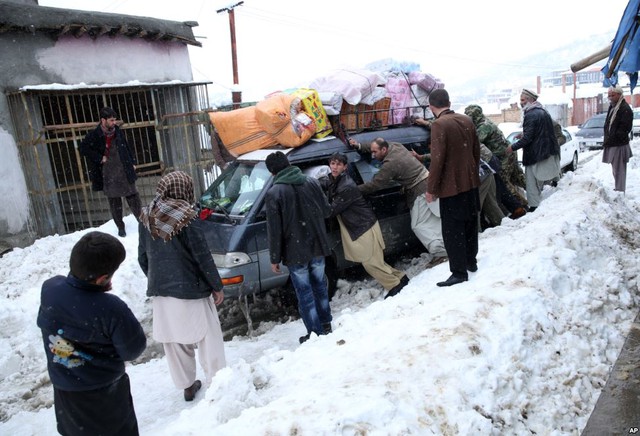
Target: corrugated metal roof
[(16, 17)]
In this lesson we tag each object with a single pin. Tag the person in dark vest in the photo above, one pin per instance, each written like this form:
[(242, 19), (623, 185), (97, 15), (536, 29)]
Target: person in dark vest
[(112, 166)]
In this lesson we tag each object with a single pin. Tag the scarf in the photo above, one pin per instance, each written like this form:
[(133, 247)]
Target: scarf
[(291, 175), (534, 104), (172, 208), (614, 111), (109, 134)]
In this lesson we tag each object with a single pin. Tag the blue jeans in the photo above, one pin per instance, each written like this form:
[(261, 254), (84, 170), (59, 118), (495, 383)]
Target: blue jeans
[(313, 297)]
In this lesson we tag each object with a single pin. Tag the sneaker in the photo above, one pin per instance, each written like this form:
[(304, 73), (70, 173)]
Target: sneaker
[(190, 392)]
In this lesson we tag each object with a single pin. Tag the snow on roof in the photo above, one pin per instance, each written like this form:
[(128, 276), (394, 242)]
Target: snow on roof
[(19, 17), (132, 83)]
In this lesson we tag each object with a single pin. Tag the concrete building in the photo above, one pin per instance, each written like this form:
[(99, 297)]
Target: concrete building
[(59, 67)]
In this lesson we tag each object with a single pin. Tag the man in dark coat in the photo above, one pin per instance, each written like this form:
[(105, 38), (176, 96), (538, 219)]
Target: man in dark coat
[(617, 129), (112, 166), (296, 209), (540, 149), (88, 335), (454, 179), (362, 239)]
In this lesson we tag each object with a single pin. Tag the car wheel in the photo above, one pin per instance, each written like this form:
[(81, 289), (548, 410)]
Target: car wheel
[(574, 162), (288, 297), (331, 274)]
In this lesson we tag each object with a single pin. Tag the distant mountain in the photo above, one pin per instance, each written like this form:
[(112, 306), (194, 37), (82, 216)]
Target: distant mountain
[(523, 72)]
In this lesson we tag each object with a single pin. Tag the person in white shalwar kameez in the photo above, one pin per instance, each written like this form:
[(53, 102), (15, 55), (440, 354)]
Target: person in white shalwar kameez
[(184, 283)]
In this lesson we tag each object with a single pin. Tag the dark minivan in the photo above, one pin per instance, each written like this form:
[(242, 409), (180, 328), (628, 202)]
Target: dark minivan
[(234, 205)]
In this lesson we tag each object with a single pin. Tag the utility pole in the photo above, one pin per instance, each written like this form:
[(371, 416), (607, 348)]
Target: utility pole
[(236, 97)]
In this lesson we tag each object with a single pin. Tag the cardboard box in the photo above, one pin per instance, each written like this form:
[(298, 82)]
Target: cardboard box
[(313, 107)]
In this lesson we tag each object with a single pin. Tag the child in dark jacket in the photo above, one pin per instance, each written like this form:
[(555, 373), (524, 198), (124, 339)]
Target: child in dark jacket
[(88, 335)]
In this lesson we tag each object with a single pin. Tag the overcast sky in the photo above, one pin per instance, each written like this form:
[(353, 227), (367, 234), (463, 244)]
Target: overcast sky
[(451, 39)]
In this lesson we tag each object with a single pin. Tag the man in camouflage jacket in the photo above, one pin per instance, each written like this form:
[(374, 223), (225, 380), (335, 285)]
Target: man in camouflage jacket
[(509, 172)]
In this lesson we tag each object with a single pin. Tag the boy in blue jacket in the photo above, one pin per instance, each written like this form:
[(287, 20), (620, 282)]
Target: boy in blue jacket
[(88, 335)]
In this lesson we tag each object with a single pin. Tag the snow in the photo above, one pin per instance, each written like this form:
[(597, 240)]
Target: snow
[(14, 194), (82, 85), (523, 347)]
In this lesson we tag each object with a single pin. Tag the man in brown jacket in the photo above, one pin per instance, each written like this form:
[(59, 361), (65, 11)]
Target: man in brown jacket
[(454, 179), (398, 165)]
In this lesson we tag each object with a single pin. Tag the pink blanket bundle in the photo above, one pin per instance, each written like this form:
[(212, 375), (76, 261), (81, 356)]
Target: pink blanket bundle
[(399, 90)]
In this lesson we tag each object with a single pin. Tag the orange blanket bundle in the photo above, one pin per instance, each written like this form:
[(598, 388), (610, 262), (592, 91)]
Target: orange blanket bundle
[(240, 132)]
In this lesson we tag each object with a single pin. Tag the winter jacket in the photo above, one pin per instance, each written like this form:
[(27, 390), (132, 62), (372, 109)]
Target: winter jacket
[(538, 140), (347, 201), (401, 167), (88, 334), (455, 155), (296, 208), (617, 133), (181, 267), (93, 147), (490, 135)]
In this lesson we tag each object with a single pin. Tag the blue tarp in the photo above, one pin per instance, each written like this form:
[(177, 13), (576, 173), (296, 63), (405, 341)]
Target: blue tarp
[(625, 49)]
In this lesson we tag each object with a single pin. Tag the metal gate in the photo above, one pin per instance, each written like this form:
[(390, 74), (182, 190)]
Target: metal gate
[(163, 125)]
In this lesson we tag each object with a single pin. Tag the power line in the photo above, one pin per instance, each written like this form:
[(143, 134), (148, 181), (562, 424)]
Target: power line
[(304, 24)]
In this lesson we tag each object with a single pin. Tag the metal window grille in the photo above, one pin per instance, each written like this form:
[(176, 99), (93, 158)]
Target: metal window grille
[(163, 125)]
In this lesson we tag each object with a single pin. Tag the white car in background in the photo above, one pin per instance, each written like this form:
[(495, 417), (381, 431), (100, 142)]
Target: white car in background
[(568, 151), (636, 122)]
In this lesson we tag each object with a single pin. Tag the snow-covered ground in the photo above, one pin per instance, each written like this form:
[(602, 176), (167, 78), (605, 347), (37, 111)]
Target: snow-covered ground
[(523, 347)]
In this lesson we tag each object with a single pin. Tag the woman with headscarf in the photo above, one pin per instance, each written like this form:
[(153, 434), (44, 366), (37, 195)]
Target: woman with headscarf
[(183, 281)]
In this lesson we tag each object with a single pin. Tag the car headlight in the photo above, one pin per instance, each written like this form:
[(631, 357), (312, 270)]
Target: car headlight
[(231, 260)]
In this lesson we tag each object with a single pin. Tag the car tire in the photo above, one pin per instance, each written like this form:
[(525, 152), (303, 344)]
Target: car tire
[(331, 274), (288, 297), (574, 162)]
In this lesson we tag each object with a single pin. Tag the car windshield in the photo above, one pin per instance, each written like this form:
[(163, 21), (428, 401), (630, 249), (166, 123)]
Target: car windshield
[(636, 115), (594, 123), (236, 189)]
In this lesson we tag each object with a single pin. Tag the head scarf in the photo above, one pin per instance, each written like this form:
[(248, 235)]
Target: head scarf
[(614, 109), (172, 208)]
